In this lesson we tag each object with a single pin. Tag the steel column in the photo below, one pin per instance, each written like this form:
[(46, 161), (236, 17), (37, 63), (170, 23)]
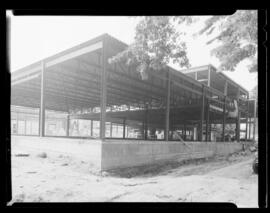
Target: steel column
[(146, 123), (185, 132), (103, 97), (167, 118), (224, 119), (42, 102), (209, 76), (17, 123), (254, 120), (247, 116), (202, 114), (210, 130), (238, 118), (111, 130), (91, 130), (67, 130), (207, 122), (124, 128)]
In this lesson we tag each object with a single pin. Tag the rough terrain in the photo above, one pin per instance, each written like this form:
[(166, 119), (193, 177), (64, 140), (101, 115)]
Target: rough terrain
[(60, 177)]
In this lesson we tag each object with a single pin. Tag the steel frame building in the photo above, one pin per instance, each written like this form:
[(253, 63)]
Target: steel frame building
[(82, 78)]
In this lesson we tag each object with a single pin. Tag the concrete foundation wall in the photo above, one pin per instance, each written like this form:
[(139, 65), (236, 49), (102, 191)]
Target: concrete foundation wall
[(121, 154)]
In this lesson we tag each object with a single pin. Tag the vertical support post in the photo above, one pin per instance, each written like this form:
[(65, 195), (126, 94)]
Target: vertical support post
[(207, 122), (185, 132), (124, 128), (103, 97), (17, 123), (202, 114), (224, 120), (146, 124), (142, 130), (91, 131), (167, 118), (42, 102), (31, 131), (209, 76), (238, 117), (127, 131), (111, 130), (254, 120), (67, 129), (224, 110), (25, 127), (247, 116), (210, 131), (226, 88), (249, 126)]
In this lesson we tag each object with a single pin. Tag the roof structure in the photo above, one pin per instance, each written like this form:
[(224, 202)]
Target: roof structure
[(75, 79)]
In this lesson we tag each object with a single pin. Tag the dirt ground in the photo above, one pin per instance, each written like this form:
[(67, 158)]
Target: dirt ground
[(57, 177)]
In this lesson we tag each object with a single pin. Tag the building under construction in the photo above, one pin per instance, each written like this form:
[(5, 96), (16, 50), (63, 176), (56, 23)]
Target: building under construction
[(131, 117)]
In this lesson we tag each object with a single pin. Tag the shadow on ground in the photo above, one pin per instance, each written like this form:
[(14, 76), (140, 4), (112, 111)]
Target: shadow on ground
[(201, 166)]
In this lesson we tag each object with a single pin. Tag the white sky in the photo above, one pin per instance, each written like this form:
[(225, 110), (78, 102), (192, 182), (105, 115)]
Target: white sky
[(36, 37)]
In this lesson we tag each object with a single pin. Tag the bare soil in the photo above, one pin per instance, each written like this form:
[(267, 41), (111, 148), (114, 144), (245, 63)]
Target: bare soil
[(60, 177)]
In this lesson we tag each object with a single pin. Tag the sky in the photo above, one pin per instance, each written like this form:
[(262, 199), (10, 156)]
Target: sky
[(33, 38)]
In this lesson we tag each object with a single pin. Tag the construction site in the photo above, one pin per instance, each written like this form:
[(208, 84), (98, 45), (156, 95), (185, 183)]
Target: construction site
[(82, 126), (78, 94)]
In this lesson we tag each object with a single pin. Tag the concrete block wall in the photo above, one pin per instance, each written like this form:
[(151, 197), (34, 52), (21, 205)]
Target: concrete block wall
[(121, 154)]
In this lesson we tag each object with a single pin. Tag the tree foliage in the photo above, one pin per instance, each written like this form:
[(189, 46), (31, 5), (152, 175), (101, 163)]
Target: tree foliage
[(237, 37), (156, 43)]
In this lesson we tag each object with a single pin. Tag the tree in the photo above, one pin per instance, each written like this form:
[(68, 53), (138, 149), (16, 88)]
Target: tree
[(237, 37), (156, 43)]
